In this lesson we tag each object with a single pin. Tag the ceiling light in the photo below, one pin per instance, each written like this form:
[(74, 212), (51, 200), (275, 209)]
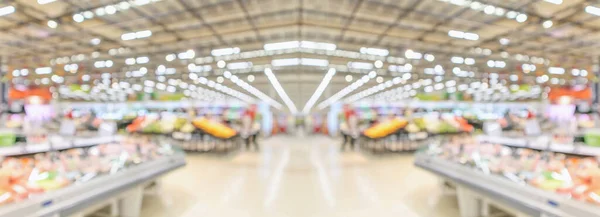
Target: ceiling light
[(512, 14), (250, 78), (221, 64), (348, 78), (378, 64), (280, 91), (52, 24), (43, 70), (78, 18), (136, 35), (320, 89), (239, 65), (457, 60), (547, 24), (189, 54), (589, 9), (95, 41), (360, 65), (463, 35), (142, 60), (429, 57), (469, 61), (556, 2), (556, 70), (379, 79), (7, 10), (490, 9), (170, 57), (521, 18), (374, 51), (372, 74), (410, 54), (220, 79), (225, 51), (504, 41), (282, 45), (314, 62), (110, 9), (88, 14), (317, 45), (130, 61), (285, 62), (43, 2)]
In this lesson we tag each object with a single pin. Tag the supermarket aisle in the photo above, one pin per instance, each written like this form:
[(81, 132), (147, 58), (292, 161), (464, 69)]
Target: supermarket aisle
[(300, 176)]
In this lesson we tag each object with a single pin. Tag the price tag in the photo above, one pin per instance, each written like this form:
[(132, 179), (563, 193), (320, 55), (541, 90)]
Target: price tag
[(532, 128), (492, 128), (67, 127)]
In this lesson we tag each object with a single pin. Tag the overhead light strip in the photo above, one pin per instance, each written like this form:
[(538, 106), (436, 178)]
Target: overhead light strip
[(286, 99), (7, 10), (319, 91), (262, 96), (347, 90)]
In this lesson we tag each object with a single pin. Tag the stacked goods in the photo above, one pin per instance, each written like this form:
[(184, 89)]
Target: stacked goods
[(385, 128), (575, 177), (23, 177), (214, 128)]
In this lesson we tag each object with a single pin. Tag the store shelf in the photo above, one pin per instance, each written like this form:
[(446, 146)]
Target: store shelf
[(542, 143), (525, 199), (56, 143), (77, 197)]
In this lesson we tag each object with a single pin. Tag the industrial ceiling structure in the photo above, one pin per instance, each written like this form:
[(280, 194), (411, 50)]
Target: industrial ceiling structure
[(298, 55)]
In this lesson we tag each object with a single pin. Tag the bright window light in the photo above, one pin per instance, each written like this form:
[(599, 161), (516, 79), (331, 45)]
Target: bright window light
[(374, 51), (225, 51), (556, 70), (282, 45), (280, 91), (7, 10)]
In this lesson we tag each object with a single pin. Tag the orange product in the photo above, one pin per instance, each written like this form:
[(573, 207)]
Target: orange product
[(385, 128), (213, 128)]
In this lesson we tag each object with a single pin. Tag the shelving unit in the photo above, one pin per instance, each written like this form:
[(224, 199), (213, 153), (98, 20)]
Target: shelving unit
[(124, 189), (476, 190), (542, 143), (56, 143)]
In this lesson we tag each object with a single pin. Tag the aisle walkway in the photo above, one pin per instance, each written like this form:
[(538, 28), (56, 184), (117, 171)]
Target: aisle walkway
[(300, 177)]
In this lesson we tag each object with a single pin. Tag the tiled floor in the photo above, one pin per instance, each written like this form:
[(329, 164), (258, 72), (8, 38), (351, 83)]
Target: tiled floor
[(298, 177)]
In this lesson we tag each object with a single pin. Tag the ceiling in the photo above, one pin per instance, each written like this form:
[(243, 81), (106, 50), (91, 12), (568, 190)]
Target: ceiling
[(65, 32)]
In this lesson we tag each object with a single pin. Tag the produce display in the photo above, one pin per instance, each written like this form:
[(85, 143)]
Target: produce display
[(572, 176), (28, 176), (214, 128), (385, 128)]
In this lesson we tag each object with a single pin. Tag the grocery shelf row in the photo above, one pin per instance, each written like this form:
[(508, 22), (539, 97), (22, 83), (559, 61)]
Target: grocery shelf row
[(124, 188), (476, 190), (56, 143), (542, 143)]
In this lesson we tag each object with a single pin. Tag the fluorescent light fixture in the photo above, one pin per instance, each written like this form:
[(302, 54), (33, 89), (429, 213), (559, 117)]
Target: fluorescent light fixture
[(469, 61), (43, 2), (360, 65), (457, 60), (589, 9), (142, 60), (285, 62), (189, 54), (225, 51), (410, 54), (521, 18), (135, 35), (429, 57), (374, 51), (314, 62), (262, 96), (99, 64), (282, 45), (239, 65), (280, 91), (347, 90), (7, 10), (52, 24), (556, 2), (317, 45), (43, 70), (556, 70), (463, 35), (547, 24), (130, 61)]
